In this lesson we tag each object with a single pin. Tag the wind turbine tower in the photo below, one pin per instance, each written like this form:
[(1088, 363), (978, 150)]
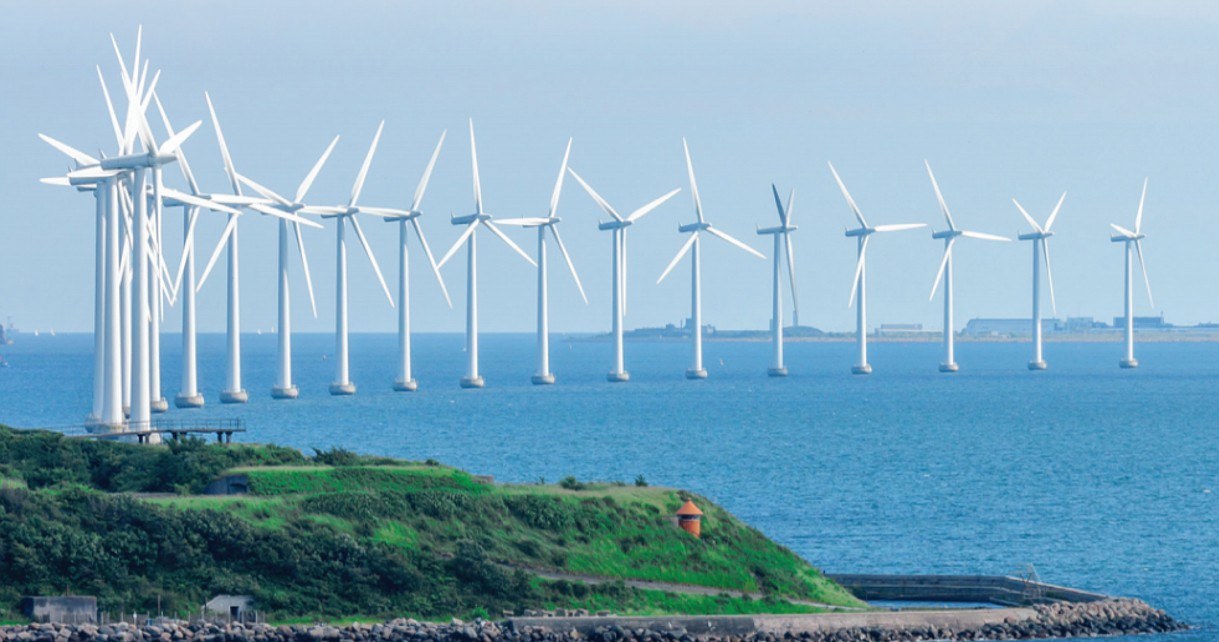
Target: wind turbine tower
[(782, 247), (1134, 245), (1040, 237)]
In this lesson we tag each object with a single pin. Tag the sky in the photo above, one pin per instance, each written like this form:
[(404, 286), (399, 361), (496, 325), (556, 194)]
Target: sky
[(1022, 99)]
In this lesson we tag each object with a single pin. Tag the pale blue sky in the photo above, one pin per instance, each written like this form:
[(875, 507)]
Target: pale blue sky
[(1023, 99)]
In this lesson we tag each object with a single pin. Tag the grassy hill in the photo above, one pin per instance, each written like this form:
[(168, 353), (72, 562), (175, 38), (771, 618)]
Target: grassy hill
[(337, 535)]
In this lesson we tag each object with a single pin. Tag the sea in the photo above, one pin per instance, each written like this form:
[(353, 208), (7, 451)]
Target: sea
[(1092, 476)]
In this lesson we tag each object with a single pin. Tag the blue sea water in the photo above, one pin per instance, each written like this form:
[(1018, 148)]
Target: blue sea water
[(1103, 479)]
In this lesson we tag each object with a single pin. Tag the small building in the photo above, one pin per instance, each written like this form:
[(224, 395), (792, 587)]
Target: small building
[(65, 609), (690, 518), (1143, 323), (235, 607)]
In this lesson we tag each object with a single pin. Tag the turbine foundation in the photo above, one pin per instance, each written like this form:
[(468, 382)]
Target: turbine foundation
[(865, 369), (343, 389), (188, 401), (949, 367), (543, 380), (472, 382), (776, 372), (618, 377), (1037, 365), (234, 396), (291, 392), (700, 373), (410, 385), (159, 406), (1129, 364)]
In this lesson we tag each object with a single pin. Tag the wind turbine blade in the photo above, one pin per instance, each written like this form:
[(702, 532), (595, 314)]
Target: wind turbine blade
[(139, 41), (504, 237), (322, 210), (68, 150), (939, 196), (1049, 274), (601, 202), (522, 222), (186, 245), (384, 212), (863, 255), (182, 164), (460, 241), (558, 186), (847, 195), (122, 66), (1028, 218), (899, 227), (431, 260), (791, 201), (1138, 247), (224, 148), (685, 247), (641, 212), (300, 247), (317, 167), (984, 236), (939, 275), (60, 181), (791, 273), (197, 202), (478, 188), (698, 203), (265, 191), (175, 141), (715, 232), (567, 258), (271, 211), (1123, 231), (211, 262), (359, 186), (1138, 218), (1049, 223), (114, 121), (622, 251), (427, 176), (355, 225), (779, 204)]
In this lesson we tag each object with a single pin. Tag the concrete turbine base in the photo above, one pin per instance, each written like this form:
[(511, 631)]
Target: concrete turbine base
[(234, 396), (618, 377), (1037, 365), (343, 389), (699, 373), (776, 372), (158, 406), (949, 367), (1128, 364), (291, 392), (472, 382), (188, 401), (542, 379), (410, 385), (865, 369)]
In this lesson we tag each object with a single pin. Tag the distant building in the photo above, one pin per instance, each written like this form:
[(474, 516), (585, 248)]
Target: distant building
[(67, 609), (899, 329), (1143, 323), (235, 607), (1010, 327)]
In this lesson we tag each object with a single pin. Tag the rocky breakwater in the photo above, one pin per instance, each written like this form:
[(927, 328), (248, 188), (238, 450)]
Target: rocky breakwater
[(1106, 617)]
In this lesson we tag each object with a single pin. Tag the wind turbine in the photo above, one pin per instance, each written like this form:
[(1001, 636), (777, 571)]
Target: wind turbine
[(284, 387), (617, 226), (543, 375), (405, 382), (1134, 238), (782, 236), (694, 246), (342, 384), (472, 222), (950, 237), (1041, 253), (859, 287)]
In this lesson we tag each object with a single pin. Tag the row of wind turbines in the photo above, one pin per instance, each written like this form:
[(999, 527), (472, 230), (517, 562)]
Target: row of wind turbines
[(134, 282)]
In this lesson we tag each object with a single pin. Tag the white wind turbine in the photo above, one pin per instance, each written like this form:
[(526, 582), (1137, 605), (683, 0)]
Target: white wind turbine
[(950, 237), (284, 387), (782, 247), (694, 246), (859, 287), (233, 391), (1041, 254), (472, 222), (405, 382), (543, 375), (617, 226), (1135, 239)]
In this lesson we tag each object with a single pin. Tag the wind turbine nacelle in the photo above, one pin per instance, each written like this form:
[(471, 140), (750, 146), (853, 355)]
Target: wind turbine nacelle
[(1119, 238), (613, 225), (946, 234), (859, 231), (692, 227), (774, 230), (465, 220), (1033, 236), (404, 217), (137, 161)]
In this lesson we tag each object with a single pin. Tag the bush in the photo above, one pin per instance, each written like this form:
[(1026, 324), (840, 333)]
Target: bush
[(336, 456), (541, 512), (641, 481), (571, 483)]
